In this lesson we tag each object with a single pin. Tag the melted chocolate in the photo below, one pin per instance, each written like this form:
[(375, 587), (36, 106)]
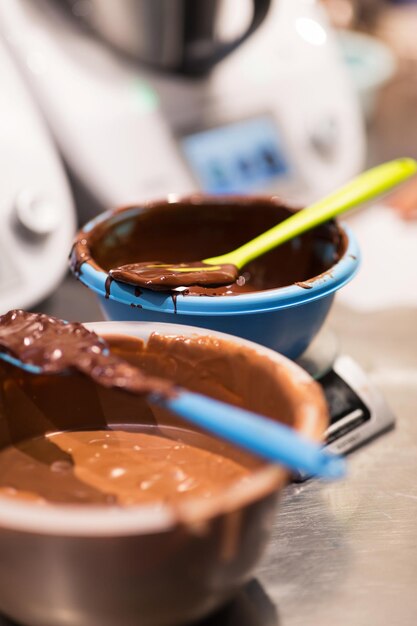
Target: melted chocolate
[(107, 286), (78, 256), (304, 285), (161, 276), (52, 428), (54, 346), (115, 467), (203, 227)]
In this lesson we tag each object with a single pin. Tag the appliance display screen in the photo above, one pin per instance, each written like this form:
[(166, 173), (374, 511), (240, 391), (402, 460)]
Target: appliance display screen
[(240, 157)]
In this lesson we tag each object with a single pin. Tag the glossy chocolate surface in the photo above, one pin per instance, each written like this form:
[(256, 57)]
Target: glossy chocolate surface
[(203, 227), (115, 467), (67, 439), (161, 276)]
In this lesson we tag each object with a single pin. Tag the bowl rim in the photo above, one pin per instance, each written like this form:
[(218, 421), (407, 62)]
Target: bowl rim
[(96, 521), (99, 281)]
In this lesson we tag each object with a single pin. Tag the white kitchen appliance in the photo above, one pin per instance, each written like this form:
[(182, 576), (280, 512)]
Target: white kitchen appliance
[(37, 216), (277, 115)]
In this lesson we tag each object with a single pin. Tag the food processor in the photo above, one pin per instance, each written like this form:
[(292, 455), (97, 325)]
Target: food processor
[(171, 96), (37, 212)]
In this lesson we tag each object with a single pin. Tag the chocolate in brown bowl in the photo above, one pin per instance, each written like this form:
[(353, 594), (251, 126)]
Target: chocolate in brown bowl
[(279, 300), (85, 559)]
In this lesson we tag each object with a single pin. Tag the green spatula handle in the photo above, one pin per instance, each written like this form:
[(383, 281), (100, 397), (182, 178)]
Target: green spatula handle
[(366, 186)]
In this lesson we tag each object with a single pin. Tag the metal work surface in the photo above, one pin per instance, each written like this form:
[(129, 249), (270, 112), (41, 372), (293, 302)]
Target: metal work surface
[(342, 553), (346, 553)]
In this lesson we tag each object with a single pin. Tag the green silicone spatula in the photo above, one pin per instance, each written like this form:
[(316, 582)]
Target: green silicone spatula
[(224, 269), (365, 187)]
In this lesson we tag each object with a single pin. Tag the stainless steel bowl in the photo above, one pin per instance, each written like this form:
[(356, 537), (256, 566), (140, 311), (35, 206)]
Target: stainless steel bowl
[(66, 565)]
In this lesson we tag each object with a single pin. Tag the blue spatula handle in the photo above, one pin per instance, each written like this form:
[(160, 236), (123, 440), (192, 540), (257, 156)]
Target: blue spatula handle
[(262, 436)]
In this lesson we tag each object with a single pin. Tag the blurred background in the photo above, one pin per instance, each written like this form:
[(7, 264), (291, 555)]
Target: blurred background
[(111, 102)]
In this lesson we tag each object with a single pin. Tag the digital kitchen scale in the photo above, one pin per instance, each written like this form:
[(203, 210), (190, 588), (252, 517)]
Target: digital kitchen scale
[(358, 410)]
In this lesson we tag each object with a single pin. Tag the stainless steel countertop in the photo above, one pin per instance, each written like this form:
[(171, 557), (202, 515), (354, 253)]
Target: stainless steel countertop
[(342, 553), (346, 553)]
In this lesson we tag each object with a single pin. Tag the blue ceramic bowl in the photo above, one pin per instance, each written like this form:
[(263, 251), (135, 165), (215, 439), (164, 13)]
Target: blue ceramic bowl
[(285, 319)]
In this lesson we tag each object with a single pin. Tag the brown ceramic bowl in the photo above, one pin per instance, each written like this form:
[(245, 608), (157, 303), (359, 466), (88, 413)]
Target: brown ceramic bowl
[(153, 565)]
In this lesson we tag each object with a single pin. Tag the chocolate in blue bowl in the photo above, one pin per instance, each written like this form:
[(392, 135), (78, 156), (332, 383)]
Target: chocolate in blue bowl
[(280, 300)]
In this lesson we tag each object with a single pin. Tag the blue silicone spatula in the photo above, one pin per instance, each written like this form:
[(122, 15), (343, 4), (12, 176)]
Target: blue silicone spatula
[(260, 435)]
